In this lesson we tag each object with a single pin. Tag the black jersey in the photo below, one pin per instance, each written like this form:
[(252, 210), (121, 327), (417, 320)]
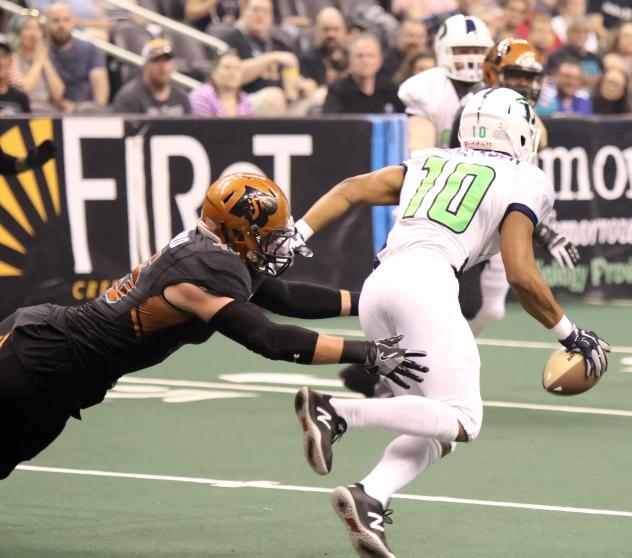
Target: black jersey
[(132, 325)]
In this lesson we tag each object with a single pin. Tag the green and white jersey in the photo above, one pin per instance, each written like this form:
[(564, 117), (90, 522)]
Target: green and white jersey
[(453, 201)]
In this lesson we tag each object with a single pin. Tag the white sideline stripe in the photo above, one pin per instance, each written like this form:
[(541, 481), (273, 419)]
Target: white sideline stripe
[(480, 341), (272, 485), (347, 394)]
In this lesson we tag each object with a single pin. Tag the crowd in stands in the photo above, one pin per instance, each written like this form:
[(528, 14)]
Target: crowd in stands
[(296, 57)]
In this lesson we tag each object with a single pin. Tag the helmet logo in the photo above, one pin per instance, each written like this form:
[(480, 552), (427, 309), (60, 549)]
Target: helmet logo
[(255, 206)]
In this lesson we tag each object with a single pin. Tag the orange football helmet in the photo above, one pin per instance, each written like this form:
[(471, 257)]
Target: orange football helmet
[(251, 215), (515, 64)]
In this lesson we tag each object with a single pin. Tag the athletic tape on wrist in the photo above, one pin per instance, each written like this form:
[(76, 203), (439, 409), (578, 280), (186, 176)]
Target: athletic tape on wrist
[(303, 228), (562, 329)]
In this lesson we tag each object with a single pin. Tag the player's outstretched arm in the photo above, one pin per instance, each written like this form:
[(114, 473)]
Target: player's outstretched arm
[(246, 324), (381, 187), (305, 300), (536, 298)]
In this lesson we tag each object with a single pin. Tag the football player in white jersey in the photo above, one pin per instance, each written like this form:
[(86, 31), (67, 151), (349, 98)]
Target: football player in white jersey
[(456, 208), (433, 97)]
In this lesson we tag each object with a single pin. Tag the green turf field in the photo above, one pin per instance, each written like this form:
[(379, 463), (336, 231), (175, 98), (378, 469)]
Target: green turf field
[(190, 460)]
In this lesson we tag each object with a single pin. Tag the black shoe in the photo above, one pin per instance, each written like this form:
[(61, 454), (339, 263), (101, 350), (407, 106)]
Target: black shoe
[(364, 517), (321, 427)]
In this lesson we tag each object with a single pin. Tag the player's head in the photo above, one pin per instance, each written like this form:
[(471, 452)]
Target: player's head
[(500, 120), (460, 47), (250, 214), (515, 64)]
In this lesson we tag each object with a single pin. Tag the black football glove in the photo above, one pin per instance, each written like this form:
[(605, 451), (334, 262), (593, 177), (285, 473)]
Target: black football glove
[(562, 250), (392, 362), (41, 154), (592, 347)]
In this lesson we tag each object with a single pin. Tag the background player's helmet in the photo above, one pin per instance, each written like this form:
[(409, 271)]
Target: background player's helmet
[(251, 215), (500, 120), (471, 39), (515, 64)]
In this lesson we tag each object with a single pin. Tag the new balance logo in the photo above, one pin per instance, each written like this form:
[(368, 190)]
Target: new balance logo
[(377, 522), (324, 417)]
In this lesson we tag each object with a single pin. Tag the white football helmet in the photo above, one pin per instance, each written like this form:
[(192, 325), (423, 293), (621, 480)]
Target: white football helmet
[(500, 120), (467, 32)]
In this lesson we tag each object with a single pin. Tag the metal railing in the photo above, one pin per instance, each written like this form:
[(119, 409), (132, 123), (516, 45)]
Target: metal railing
[(115, 51)]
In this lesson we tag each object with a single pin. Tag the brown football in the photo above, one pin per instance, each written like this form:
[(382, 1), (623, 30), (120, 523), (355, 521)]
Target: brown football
[(565, 374)]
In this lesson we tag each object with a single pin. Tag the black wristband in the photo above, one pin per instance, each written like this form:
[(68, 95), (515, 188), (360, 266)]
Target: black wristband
[(355, 301), (358, 352)]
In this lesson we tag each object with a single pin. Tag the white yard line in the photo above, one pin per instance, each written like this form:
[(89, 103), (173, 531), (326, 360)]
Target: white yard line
[(273, 485), (292, 390)]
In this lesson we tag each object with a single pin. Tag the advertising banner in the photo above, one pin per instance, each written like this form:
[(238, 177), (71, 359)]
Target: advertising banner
[(590, 163), (120, 189)]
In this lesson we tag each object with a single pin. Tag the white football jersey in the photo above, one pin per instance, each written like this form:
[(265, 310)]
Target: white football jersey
[(431, 94), (453, 201)]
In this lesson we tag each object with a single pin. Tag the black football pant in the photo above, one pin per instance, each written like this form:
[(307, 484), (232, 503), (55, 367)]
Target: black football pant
[(30, 416)]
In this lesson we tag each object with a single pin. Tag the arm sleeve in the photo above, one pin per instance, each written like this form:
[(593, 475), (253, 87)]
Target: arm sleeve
[(299, 300), (246, 324)]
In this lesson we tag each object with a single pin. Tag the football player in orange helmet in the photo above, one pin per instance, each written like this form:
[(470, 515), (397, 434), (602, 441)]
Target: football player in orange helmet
[(515, 64), (57, 360)]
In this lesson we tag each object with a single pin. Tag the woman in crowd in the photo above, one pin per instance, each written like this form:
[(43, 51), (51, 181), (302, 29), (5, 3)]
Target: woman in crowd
[(611, 93), (222, 95), (414, 63), (32, 70)]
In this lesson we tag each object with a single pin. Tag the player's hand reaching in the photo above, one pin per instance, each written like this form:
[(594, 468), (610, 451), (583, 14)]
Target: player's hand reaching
[(298, 245), (592, 347), (562, 250), (392, 362)]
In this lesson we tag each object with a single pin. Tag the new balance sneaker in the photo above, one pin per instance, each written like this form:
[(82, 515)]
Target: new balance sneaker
[(364, 517), (321, 428)]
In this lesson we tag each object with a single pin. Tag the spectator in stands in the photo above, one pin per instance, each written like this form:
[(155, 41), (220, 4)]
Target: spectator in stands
[(89, 15), (363, 90), (415, 62), (611, 93), (418, 9), (222, 95), (568, 11), (575, 48), (516, 20), (80, 64), (202, 13), (566, 96), (327, 60), (622, 45), (607, 15), (411, 36), (270, 68), (12, 101), (153, 92), (542, 37), (33, 71)]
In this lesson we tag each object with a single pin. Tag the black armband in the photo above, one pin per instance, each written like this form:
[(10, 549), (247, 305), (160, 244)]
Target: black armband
[(298, 300), (543, 234), (355, 302), (246, 324), (358, 352)]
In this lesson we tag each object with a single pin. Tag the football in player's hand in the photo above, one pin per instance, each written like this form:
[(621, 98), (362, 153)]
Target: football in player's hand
[(565, 374)]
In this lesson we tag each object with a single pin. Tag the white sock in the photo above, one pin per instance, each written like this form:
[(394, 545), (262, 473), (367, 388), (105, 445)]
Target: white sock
[(404, 459), (405, 414)]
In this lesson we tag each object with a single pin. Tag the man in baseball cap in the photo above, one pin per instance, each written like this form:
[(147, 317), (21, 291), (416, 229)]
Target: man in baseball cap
[(153, 93)]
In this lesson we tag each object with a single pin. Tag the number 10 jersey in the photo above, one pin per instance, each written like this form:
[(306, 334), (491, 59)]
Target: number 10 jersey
[(453, 201)]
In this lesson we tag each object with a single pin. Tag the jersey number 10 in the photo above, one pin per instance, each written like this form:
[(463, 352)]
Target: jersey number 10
[(452, 207)]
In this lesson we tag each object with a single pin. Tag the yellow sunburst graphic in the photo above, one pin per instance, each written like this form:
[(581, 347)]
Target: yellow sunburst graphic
[(37, 185)]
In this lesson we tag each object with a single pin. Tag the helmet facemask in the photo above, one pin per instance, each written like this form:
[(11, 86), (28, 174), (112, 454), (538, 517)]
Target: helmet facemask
[(276, 251)]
